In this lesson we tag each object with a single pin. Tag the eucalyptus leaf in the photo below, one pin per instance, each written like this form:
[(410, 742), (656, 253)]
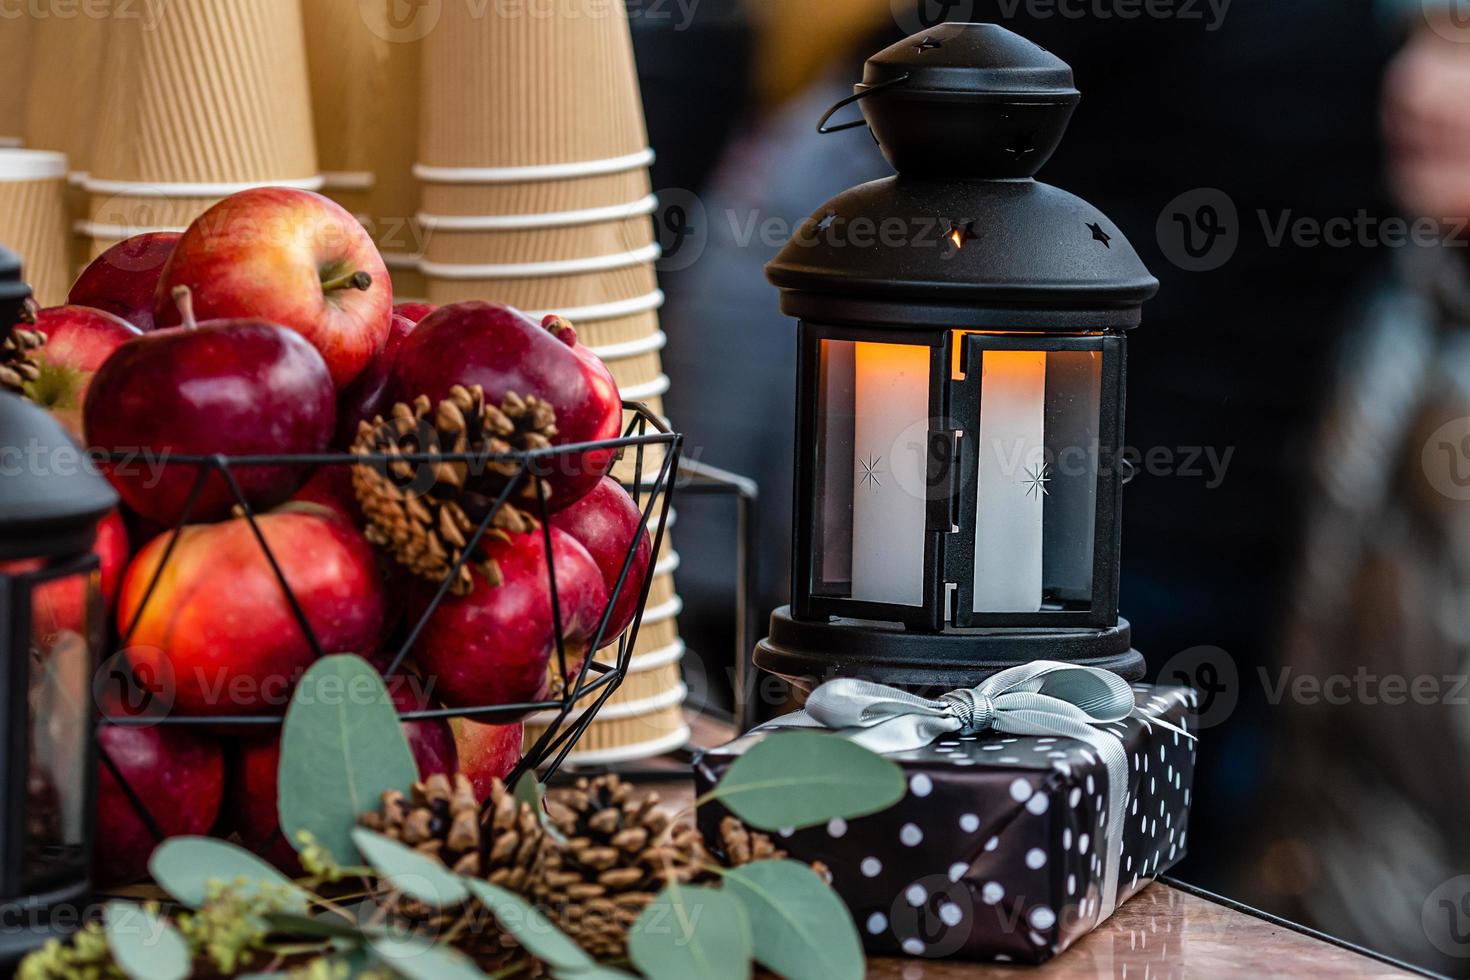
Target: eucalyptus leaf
[(598, 971), (800, 927), (804, 779), (419, 960), (528, 790), (342, 747), (184, 867), (318, 926), (145, 946), (691, 931), (531, 928), (410, 872)]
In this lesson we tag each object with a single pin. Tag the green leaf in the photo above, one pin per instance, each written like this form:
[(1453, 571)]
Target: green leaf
[(801, 928), (531, 929), (419, 960), (528, 790), (804, 779), (145, 946), (184, 867), (691, 931), (410, 872), (342, 747), (319, 926), (598, 971)]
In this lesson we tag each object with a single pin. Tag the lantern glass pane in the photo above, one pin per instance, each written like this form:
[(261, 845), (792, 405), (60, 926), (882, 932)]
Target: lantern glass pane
[(1036, 488), (872, 431), (62, 624)]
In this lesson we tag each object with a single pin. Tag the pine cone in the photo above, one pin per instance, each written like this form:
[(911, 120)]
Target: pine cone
[(617, 853), (17, 364), (425, 513)]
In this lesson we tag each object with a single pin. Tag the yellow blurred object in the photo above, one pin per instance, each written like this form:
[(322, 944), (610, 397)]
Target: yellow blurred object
[(790, 52)]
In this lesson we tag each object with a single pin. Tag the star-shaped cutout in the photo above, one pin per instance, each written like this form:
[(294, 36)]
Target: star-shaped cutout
[(1098, 235), (827, 220), (928, 44), (869, 477), (1037, 477), (961, 232)]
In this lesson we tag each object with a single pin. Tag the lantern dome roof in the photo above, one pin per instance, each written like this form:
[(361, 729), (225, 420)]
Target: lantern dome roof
[(51, 498), (963, 236)]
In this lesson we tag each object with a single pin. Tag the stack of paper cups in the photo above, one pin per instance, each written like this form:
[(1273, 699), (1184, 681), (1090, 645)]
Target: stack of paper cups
[(67, 54), (33, 219), (533, 163), (16, 37), (211, 100), (393, 199)]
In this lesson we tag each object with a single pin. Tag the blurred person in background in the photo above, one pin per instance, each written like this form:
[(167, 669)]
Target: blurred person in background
[(1366, 835), (1270, 107)]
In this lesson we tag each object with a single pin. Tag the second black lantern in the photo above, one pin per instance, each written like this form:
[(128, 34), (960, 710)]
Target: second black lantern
[(961, 367)]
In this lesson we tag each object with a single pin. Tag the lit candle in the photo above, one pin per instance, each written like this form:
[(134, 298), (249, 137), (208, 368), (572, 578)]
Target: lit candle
[(891, 412), (1011, 485)]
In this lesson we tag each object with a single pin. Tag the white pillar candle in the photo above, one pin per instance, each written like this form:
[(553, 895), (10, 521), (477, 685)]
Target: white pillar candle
[(891, 412), (1010, 485)]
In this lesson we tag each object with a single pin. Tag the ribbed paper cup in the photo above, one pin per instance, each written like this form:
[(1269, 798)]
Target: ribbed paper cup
[(548, 292), (457, 240), (16, 38), (33, 220), (123, 215), (409, 284), (345, 61), (213, 93), (515, 85), (62, 100), (546, 196), (620, 336), (610, 740), (393, 150)]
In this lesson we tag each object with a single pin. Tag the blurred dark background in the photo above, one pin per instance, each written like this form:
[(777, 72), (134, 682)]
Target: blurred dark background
[(1300, 376)]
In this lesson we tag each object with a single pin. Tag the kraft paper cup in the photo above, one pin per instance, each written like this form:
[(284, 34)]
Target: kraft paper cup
[(393, 150), (346, 58), (513, 239), (530, 84), (548, 292), (618, 336), (67, 54), (534, 196), (16, 39), (627, 738), (409, 284), (211, 94), (33, 220)]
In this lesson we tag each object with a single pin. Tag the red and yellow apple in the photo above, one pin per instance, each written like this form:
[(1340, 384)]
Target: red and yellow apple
[(78, 340), (220, 624), (486, 752), (292, 257)]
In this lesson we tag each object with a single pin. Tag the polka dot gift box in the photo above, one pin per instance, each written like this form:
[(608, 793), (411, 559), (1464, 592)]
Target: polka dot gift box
[(999, 850)]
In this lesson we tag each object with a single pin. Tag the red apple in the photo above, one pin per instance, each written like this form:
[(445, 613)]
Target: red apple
[(605, 522), (368, 395), (124, 279), (414, 312), (60, 605), (493, 646), (486, 752), (503, 351), (177, 772), (219, 623), (255, 762), (292, 257), (228, 386), (78, 340)]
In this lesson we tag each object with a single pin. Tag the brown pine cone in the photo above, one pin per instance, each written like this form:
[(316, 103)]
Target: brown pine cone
[(617, 853), (425, 513), (17, 364)]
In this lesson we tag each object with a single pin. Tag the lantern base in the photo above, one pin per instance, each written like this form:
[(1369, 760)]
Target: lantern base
[(37, 918), (808, 652)]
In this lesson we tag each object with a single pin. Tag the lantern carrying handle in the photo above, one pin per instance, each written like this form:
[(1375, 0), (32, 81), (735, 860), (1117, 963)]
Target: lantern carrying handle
[(868, 90)]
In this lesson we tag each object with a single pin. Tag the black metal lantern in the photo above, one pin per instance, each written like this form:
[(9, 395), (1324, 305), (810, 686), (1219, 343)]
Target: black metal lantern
[(51, 625), (960, 368)]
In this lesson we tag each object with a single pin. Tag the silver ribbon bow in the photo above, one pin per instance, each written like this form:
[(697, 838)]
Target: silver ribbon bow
[(1041, 698)]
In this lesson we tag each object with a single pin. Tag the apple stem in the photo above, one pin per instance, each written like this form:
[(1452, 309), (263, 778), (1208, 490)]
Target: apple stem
[(184, 300), (354, 280)]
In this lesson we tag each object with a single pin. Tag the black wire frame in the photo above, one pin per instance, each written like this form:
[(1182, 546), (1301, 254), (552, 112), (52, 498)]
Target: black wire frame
[(644, 430)]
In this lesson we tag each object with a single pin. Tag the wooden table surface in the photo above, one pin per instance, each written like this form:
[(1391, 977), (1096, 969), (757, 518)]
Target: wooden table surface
[(1162, 932)]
